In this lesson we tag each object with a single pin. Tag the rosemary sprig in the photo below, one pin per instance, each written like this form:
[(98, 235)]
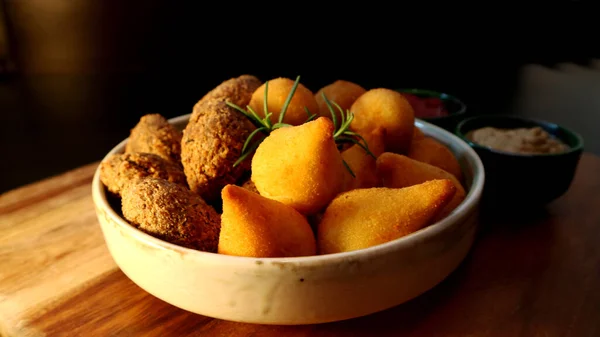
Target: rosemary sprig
[(343, 134), (265, 125)]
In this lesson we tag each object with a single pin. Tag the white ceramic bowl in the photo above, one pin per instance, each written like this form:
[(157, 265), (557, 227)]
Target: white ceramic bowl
[(299, 290)]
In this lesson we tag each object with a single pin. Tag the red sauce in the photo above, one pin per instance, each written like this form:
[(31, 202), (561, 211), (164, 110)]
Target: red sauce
[(426, 107)]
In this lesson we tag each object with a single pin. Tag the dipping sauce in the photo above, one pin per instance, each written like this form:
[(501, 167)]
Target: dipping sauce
[(521, 140), (426, 107)]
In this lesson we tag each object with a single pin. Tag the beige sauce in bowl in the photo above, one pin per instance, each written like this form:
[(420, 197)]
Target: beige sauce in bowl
[(521, 140)]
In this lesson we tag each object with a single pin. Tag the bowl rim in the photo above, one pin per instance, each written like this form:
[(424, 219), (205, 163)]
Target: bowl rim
[(469, 204), (439, 94), (540, 122)]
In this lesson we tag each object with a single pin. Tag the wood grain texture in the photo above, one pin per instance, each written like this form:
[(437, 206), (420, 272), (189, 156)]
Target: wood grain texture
[(532, 274)]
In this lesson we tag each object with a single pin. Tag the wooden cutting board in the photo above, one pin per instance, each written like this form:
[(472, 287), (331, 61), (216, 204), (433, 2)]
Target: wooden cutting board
[(534, 275)]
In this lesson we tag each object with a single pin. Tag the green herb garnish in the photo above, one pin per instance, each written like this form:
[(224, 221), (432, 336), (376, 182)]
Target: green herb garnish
[(264, 125), (342, 134)]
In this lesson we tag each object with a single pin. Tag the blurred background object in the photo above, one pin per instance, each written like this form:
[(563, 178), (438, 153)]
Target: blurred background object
[(567, 94), (86, 71), (435, 107), (58, 41), (76, 37), (6, 63), (3, 37)]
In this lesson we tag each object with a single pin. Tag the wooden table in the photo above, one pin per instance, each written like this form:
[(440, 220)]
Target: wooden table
[(533, 275)]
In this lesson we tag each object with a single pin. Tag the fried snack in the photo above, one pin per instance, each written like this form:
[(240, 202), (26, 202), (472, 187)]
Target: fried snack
[(397, 171), (154, 134), (210, 146), (344, 93), (120, 169), (252, 225), (362, 164), (389, 109), (249, 185), (300, 166), (279, 89), (363, 218), (172, 213), (237, 90), (430, 151)]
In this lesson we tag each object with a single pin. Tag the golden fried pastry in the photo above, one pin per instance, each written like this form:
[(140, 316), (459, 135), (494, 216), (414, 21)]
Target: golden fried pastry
[(430, 151), (252, 225), (397, 171), (120, 169), (363, 218), (211, 144), (344, 93), (279, 89), (154, 134), (388, 109), (300, 166), (172, 213), (237, 90), (362, 164)]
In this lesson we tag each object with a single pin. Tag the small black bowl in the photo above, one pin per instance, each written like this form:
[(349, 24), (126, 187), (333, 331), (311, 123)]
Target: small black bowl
[(522, 181), (455, 108)]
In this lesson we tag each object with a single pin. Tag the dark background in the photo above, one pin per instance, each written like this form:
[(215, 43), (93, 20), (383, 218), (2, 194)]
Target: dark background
[(79, 74)]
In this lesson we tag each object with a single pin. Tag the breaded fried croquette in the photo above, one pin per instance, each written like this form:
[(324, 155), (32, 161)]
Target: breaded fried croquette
[(211, 144), (430, 151), (120, 169), (279, 88), (252, 225), (237, 90), (363, 218), (154, 134), (363, 164), (397, 171), (172, 213), (386, 108), (344, 93), (300, 166)]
